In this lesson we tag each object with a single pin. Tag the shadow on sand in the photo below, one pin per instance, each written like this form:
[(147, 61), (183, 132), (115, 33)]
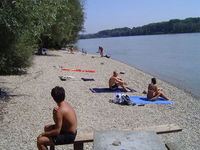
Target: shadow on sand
[(54, 55), (5, 97)]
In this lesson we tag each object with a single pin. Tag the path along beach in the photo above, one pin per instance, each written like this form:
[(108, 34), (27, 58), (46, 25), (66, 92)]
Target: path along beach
[(30, 108)]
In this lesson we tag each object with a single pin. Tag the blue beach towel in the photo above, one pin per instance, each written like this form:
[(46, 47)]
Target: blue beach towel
[(144, 100), (107, 90)]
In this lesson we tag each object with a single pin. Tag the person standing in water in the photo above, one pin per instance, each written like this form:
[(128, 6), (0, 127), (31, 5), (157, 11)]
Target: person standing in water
[(101, 51)]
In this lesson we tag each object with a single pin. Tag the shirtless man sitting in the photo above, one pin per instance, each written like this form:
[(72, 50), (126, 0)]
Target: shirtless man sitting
[(65, 128), (116, 81)]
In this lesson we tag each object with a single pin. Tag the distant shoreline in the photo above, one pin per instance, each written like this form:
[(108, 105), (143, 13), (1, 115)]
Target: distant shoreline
[(188, 25), (141, 35)]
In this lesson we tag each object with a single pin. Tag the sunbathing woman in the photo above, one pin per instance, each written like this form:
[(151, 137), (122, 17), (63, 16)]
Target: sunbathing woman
[(154, 92)]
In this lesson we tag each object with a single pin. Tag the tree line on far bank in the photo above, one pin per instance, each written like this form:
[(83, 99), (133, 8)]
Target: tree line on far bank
[(188, 25), (27, 25)]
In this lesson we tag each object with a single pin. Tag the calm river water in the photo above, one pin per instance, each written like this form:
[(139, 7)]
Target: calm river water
[(174, 58)]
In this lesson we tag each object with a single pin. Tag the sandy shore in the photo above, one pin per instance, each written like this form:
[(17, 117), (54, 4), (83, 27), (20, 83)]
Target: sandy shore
[(30, 107)]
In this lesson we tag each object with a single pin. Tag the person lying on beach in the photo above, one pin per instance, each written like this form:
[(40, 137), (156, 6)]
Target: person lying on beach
[(154, 92), (116, 81), (65, 128)]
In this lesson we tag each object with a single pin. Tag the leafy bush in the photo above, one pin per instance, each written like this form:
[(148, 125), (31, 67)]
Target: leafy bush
[(68, 22), (24, 23)]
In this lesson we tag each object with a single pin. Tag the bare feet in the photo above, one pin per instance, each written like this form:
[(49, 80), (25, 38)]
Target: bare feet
[(144, 92), (153, 99), (127, 90)]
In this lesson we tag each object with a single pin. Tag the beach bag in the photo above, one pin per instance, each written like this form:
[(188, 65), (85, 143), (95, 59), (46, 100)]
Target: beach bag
[(122, 99), (117, 98), (125, 100)]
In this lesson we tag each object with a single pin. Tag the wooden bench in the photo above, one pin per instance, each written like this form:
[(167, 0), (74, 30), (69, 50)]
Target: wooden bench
[(88, 137)]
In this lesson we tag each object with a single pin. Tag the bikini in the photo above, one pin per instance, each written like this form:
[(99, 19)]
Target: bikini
[(151, 91)]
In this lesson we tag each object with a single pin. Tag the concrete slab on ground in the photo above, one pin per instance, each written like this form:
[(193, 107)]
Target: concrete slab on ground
[(127, 140)]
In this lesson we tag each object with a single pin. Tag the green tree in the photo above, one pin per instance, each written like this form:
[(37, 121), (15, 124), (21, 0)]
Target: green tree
[(187, 25), (21, 25), (69, 21)]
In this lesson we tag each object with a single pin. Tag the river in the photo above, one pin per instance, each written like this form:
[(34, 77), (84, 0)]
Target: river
[(174, 58)]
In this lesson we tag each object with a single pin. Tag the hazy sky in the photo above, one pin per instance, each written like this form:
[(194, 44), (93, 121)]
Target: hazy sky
[(109, 14)]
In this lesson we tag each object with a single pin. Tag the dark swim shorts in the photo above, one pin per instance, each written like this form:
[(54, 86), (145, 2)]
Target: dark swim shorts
[(114, 87), (64, 138)]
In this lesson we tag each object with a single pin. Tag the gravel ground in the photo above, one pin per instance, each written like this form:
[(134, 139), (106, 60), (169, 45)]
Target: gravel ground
[(30, 107)]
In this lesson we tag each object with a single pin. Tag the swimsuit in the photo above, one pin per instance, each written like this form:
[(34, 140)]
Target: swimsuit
[(151, 91), (114, 87), (64, 138)]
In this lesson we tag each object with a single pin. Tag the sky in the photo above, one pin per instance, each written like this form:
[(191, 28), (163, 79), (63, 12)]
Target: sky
[(110, 14)]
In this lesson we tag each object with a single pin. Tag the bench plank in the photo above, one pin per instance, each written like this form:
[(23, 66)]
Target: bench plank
[(86, 137), (161, 129)]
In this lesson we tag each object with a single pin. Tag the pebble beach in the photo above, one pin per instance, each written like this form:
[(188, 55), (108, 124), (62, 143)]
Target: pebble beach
[(29, 107)]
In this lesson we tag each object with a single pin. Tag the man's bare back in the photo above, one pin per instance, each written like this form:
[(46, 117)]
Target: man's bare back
[(112, 81), (65, 128), (69, 119)]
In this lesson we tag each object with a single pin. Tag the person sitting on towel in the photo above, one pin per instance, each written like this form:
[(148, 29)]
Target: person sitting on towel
[(154, 92), (116, 81), (65, 128)]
